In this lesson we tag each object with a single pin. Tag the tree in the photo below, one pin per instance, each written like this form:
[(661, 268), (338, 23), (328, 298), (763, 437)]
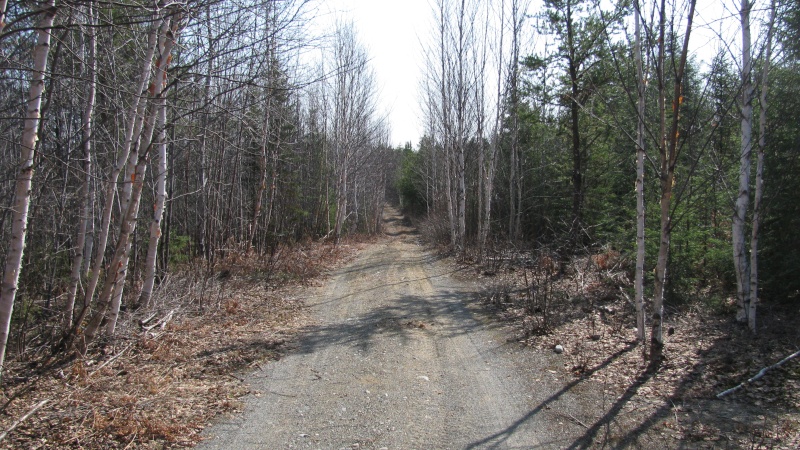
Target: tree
[(580, 51), (108, 300), (746, 265), (355, 129), (22, 192), (641, 84), (740, 259), (669, 151), (86, 143)]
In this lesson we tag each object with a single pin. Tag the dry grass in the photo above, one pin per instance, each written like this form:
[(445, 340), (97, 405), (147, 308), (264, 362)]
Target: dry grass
[(170, 370)]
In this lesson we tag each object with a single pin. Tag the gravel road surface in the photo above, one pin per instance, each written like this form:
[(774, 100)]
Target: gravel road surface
[(401, 358)]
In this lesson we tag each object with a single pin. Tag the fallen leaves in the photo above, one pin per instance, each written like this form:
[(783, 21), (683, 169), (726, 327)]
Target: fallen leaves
[(169, 371), (586, 312)]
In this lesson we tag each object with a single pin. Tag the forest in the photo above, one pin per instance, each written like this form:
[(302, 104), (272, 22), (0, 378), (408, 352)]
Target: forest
[(608, 137), (142, 138)]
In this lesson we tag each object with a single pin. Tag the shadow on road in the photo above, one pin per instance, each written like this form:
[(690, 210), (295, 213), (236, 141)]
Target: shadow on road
[(495, 440), (442, 314)]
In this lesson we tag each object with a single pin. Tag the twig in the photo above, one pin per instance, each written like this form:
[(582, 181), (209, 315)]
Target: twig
[(760, 374), (23, 418), (625, 294), (144, 322), (572, 418), (161, 322), (235, 377), (110, 360)]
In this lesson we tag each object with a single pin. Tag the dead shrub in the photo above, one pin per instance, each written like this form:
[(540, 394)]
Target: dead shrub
[(607, 259)]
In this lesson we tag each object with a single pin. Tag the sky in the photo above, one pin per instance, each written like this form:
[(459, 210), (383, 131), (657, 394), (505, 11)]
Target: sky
[(393, 32)]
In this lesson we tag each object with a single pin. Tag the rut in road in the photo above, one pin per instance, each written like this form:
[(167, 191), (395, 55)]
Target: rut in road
[(398, 360)]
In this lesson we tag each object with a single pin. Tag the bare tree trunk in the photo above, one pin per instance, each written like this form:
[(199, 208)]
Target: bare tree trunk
[(447, 139), (759, 194), (108, 302), (22, 188), (116, 270), (669, 156), (157, 121), (132, 131), (740, 257), (91, 89), (640, 206), (341, 202), (451, 198), (491, 157), (577, 153), (262, 168), (202, 208), (158, 208), (512, 194), (480, 103)]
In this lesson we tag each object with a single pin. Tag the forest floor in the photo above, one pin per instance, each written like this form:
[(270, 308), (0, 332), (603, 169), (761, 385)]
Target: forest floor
[(380, 343), (172, 369), (586, 309)]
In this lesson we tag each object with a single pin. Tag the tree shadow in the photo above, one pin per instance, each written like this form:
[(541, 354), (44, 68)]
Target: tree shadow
[(404, 317), (727, 422), (496, 439)]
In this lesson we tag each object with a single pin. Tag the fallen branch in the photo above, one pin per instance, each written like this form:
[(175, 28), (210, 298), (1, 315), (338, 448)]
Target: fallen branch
[(760, 374), (627, 298), (145, 321), (110, 360), (23, 418), (572, 419), (161, 322)]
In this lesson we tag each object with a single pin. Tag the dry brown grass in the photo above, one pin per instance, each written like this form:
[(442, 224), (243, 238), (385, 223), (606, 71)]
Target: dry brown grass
[(157, 384)]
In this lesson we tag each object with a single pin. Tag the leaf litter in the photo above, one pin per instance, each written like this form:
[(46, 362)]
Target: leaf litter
[(585, 307), (169, 370)]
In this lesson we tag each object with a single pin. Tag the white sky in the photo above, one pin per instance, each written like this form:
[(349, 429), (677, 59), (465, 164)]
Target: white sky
[(392, 31)]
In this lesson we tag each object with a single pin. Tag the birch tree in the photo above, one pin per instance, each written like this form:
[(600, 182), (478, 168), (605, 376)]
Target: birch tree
[(133, 129), (117, 268), (641, 84), (759, 194), (86, 143), (668, 150), (451, 106), (740, 259), (746, 260), (488, 164), (24, 178), (353, 121)]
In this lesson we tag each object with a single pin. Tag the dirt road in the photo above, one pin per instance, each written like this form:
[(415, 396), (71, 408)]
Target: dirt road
[(399, 360)]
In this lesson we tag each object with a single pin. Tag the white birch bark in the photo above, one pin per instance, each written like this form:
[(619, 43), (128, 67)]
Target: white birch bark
[(115, 274), (640, 206), (759, 187), (86, 136), (156, 121), (158, 207), (22, 188), (491, 156), (132, 131), (738, 233)]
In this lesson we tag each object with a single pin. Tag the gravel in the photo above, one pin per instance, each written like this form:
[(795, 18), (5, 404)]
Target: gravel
[(401, 358)]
